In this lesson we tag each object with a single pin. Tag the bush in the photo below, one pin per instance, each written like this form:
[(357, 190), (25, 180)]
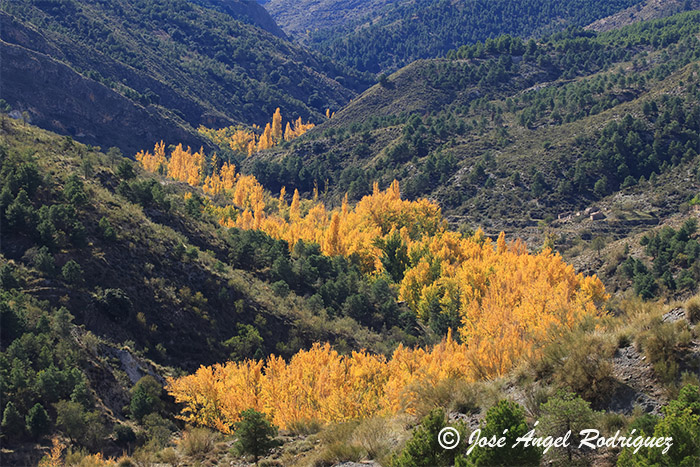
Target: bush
[(74, 191), (587, 371), (659, 342), (8, 280), (374, 435), (564, 412), (158, 430), (123, 434), (692, 310), (44, 261), (680, 422), (106, 230), (304, 427), (115, 302), (125, 170), (12, 422), (145, 397), (197, 441)]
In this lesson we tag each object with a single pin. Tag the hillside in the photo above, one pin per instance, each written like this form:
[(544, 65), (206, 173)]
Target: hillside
[(394, 36), (299, 18), (148, 283), (165, 67), (648, 10), (508, 140), (115, 282), (503, 237)]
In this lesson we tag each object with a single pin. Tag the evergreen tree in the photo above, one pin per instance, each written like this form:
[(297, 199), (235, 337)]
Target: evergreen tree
[(506, 415), (12, 422), (37, 421), (255, 434), (423, 449), (72, 273)]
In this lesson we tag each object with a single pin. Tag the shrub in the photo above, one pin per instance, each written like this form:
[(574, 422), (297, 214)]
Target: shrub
[(197, 441), (304, 427), (659, 343), (115, 302), (587, 371), (680, 422), (44, 261), (158, 430), (125, 170), (12, 422), (564, 412), (106, 230), (692, 310), (124, 434), (8, 280), (145, 397), (374, 435)]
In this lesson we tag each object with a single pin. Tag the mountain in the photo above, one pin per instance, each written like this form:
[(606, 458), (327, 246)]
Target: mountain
[(495, 238), (246, 11), (389, 36), (164, 67), (300, 18), (509, 133)]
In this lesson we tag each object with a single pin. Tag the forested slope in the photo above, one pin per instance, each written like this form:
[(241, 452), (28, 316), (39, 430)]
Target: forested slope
[(398, 34), (168, 66), (509, 133)]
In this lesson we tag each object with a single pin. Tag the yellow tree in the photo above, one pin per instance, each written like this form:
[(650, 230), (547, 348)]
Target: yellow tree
[(294, 208), (277, 125), (265, 141)]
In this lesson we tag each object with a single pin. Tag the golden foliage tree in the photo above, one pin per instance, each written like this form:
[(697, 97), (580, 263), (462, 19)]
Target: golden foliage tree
[(277, 125), (246, 141), (507, 301)]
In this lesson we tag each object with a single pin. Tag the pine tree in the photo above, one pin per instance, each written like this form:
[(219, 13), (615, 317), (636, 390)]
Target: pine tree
[(423, 449), (37, 421), (12, 422), (255, 434), (505, 415)]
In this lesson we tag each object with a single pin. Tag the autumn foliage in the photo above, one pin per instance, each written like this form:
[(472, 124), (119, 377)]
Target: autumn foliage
[(248, 141), (316, 384), (505, 301), (510, 303)]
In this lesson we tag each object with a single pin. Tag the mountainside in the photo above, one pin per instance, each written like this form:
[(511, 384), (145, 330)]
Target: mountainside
[(390, 37), (168, 66), (300, 18), (648, 10), (507, 134), (495, 240), (246, 11)]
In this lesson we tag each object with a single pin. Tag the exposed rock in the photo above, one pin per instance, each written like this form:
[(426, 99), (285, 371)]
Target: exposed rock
[(637, 385)]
